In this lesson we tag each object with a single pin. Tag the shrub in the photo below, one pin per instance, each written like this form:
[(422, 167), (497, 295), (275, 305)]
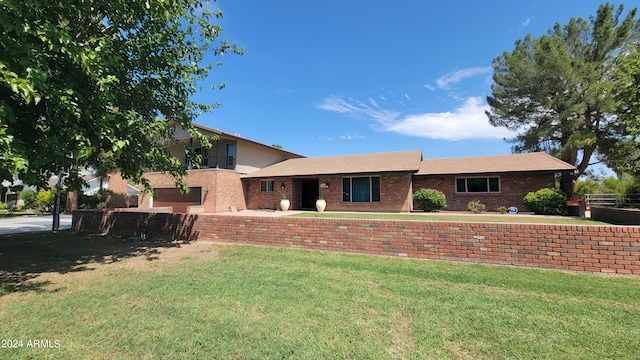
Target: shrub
[(30, 198), (95, 201), (3, 206), (476, 206), (503, 209), (45, 199), (430, 200), (547, 202)]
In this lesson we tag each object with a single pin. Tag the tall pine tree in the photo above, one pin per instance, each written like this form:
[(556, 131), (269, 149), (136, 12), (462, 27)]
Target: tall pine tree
[(557, 90)]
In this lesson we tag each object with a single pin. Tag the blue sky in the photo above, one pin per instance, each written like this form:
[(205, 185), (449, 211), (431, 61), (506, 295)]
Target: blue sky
[(349, 77)]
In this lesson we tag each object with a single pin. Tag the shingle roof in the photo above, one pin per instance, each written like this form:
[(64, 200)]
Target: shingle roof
[(537, 161), (403, 161), (236, 136)]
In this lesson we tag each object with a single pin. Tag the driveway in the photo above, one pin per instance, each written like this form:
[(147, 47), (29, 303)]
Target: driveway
[(22, 224)]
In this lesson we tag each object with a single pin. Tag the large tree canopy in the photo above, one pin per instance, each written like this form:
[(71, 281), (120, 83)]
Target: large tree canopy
[(557, 90), (629, 96), (92, 83)]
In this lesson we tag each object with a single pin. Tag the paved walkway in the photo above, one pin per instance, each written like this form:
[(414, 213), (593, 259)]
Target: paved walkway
[(23, 224), (266, 213), (277, 213)]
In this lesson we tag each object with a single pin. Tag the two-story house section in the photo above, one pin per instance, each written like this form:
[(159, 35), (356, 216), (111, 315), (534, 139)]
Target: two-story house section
[(217, 185)]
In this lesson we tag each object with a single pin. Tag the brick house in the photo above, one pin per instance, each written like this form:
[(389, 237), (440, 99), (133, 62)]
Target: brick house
[(239, 173), (502, 180), (216, 186), (367, 182)]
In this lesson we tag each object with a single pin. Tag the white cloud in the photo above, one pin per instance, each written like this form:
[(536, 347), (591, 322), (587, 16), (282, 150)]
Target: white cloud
[(373, 103), (525, 23), (407, 96), (355, 136), (444, 82), (356, 108), (466, 122), (345, 137), (338, 104)]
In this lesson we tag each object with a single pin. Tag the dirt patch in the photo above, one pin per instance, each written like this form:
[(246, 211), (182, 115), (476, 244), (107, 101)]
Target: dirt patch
[(161, 258), (51, 262)]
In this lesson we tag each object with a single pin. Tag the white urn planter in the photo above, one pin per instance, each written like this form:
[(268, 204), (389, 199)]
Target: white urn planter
[(321, 204), (284, 204)]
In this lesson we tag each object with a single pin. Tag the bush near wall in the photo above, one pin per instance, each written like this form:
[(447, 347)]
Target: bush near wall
[(547, 202), (430, 199)]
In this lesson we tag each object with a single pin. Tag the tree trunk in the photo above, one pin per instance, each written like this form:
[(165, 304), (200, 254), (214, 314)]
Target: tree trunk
[(72, 202), (567, 184)]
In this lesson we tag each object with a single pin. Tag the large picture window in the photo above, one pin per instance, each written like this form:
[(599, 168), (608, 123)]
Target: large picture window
[(478, 185), (364, 189), (267, 185)]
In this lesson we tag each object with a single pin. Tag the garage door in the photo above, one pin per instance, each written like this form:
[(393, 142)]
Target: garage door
[(173, 197)]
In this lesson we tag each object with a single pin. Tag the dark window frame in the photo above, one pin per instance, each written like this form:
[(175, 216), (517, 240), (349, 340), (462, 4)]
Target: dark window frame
[(231, 154), (374, 189), (266, 188), (492, 186)]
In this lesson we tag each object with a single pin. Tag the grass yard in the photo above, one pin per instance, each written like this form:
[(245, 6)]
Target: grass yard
[(457, 217), (7, 213), (103, 297)]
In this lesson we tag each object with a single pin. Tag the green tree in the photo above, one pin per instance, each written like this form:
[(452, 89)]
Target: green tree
[(93, 83), (629, 97), (45, 200), (29, 197), (557, 90)]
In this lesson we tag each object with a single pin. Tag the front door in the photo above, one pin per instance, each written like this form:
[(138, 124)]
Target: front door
[(310, 193)]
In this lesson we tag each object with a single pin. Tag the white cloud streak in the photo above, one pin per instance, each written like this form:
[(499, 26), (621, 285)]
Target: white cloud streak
[(445, 82), (355, 108), (468, 121), (345, 137)]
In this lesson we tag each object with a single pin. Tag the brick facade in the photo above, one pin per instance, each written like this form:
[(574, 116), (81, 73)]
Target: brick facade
[(597, 249), (221, 190), (257, 199), (513, 188), (395, 193), (117, 184)]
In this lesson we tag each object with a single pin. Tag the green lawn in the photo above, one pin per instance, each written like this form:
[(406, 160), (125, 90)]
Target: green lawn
[(499, 218), (7, 213), (106, 298)]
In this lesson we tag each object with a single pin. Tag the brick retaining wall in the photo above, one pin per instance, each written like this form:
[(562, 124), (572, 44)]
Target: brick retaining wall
[(620, 216), (598, 249)]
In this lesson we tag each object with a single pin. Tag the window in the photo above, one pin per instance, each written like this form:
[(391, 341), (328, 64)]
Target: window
[(205, 156), (361, 189), (478, 185), (267, 185), (231, 155)]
